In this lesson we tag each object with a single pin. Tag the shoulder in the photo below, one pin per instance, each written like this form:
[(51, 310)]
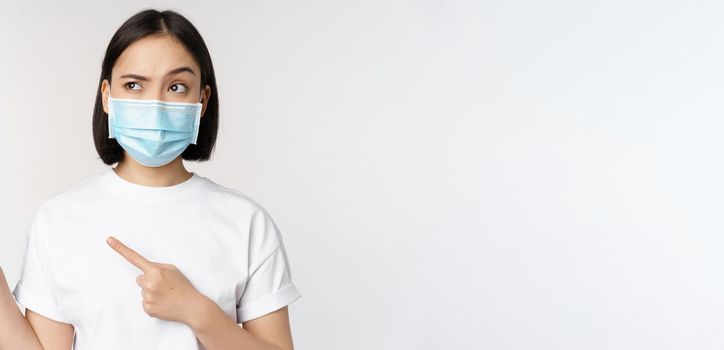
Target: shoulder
[(231, 198), (251, 217), (67, 198)]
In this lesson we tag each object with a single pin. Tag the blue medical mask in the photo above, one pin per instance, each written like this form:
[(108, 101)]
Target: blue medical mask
[(153, 132)]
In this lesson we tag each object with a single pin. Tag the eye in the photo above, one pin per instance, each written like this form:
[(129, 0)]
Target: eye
[(183, 87), (134, 84)]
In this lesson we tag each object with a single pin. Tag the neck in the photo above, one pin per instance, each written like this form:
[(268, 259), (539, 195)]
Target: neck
[(170, 174)]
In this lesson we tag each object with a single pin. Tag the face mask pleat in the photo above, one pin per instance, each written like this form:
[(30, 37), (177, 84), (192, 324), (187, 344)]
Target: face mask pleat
[(155, 135), (148, 148), (152, 119)]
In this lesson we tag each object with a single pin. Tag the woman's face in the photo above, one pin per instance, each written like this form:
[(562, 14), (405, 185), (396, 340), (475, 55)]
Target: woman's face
[(156, 68)]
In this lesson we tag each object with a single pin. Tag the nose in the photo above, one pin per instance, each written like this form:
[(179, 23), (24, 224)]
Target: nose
[(158, 95)]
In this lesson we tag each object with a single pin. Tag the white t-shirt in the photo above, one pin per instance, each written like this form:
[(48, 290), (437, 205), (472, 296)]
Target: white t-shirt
[(224, 242)]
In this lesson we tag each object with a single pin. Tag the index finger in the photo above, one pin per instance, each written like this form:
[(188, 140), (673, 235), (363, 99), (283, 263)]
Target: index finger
[(131, 255)]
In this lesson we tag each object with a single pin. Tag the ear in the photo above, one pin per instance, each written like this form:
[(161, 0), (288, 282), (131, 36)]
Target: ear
[(205, 99), (105, 87)]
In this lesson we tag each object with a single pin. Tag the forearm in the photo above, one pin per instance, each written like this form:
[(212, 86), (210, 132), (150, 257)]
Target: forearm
[(216, 331), (15, 331)]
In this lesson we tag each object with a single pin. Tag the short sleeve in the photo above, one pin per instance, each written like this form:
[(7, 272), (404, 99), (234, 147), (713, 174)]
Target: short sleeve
[(269, 286), (34, 289)]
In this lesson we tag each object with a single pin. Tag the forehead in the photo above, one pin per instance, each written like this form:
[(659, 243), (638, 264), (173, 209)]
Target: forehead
[(154, 57)]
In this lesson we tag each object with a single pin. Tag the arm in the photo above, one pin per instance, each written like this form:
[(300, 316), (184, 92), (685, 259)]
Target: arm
[(169, 295), (215, 330), (32, 332)]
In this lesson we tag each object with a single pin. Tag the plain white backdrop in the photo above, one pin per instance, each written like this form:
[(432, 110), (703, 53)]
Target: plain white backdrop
[(446, 174)]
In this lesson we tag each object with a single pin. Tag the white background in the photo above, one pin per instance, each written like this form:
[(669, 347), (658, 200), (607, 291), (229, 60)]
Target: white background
[(446, 174)]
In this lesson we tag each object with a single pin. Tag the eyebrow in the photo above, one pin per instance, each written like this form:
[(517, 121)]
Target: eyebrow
[(171, 72)]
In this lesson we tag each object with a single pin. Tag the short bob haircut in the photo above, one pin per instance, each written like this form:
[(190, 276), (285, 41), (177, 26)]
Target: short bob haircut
[(146, 23)]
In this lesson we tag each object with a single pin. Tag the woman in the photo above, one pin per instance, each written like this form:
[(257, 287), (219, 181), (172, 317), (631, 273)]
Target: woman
[(148, 255)]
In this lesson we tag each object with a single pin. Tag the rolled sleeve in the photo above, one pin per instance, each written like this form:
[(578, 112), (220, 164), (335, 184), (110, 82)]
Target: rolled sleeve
[(269, 286), (34, 290)]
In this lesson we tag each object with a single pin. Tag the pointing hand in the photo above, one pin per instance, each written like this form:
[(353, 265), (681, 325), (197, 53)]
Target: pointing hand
[(167, 293)]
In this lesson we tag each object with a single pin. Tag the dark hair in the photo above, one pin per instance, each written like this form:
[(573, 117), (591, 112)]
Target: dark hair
[(146, 23)]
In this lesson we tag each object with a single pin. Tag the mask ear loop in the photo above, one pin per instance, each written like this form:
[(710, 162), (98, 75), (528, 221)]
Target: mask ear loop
[(110, 109), (197, 120)]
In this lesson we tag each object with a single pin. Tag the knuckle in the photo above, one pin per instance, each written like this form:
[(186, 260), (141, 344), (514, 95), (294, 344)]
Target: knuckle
[(152, 285), (163, 273), (149, 309)]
